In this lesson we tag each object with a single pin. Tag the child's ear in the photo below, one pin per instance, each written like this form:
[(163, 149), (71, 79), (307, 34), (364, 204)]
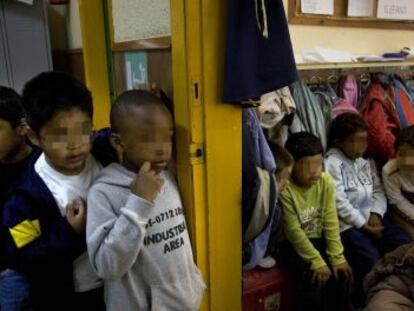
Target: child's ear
[(34, 139), (23, 128), (116, 143)]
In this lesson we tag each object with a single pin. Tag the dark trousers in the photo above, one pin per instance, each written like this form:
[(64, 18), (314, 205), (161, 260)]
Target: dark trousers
[(362, 252), (335, 295), (90, 300), (14, 292)]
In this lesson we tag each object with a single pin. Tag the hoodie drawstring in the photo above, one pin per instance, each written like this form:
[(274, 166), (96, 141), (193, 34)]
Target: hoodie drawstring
[(264, 29)]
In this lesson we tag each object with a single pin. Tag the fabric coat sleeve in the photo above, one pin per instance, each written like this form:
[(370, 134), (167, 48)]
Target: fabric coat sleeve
[(346, 211), (396, 198), (30, 245), (380, 135), (114, 241), (296, 236), (334, 246), (378, 195)]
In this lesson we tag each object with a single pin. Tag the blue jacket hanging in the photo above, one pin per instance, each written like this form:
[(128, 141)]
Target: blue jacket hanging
[(259, 56)]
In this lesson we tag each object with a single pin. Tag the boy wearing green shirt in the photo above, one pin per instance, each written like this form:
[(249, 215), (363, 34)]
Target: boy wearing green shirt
[(314, 252)]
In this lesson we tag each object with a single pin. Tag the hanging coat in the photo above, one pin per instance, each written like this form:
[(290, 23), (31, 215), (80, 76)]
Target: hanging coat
[(259, 56)]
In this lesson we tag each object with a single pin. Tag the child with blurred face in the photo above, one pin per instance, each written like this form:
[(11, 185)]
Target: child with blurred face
[(137, 234), (360, 199), (284, 166), (15, 153), (398, 177), (314, 252), (45, 217)]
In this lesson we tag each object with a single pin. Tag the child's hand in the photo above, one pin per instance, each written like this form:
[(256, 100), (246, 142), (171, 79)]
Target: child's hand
[(147, 184), (374, 232), (321, 276), (343, 269), (76, 215), (375, 220)]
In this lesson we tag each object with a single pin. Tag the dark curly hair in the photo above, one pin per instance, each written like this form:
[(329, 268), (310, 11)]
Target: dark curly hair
[(50, 92), (344, 126), (11, 109), (303, 144)]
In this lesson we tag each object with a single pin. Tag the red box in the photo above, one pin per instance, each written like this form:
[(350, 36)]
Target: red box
[(267, 290)]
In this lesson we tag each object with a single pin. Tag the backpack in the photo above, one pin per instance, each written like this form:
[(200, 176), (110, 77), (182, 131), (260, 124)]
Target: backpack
[(342, 106), (348, 89), (378, 111), (336, 105), (402, 100)]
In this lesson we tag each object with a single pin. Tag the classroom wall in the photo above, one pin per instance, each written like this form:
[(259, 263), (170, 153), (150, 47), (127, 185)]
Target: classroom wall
[(355, 40), (140, 19)]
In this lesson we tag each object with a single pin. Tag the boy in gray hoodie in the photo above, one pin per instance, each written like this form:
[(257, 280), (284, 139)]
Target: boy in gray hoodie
[(137, 235)]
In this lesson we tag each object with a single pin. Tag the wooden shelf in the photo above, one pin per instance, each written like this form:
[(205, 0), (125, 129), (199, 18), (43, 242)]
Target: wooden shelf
[(340, 18), (354, 65)]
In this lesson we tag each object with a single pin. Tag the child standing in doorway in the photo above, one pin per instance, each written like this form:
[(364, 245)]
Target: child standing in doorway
[(137, 234)]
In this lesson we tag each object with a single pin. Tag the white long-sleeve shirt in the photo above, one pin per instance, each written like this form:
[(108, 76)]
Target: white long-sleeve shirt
[(399, 187), (359, 191)]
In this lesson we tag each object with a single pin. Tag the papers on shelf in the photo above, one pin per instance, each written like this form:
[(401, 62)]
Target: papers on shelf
[(360, 8), (324, 55), (396, 9), (323, 7)]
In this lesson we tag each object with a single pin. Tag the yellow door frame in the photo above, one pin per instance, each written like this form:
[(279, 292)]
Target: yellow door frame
[(95, 58), (211, 184)]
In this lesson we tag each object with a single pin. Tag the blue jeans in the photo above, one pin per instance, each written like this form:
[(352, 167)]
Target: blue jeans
[(14, 291)]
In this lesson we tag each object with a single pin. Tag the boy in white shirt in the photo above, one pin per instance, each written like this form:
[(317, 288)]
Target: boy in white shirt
[(398, 178), (45, 217)]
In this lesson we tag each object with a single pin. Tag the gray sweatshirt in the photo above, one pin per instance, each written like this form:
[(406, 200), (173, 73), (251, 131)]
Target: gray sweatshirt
[(358, 189), (141, 250)]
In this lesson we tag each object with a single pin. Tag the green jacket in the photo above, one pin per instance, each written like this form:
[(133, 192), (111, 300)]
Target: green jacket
[(311, 213)]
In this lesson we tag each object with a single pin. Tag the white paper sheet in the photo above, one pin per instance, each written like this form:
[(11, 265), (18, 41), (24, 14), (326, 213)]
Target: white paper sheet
[(325, 55), (396, 9), (360, 8), (334, 56), (324, 7)]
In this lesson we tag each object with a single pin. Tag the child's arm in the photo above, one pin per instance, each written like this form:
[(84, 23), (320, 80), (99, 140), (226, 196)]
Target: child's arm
[(346, 210), (297, 237), (29, 247), (396, 198), (334, 246), (378, 196), (114, 241)]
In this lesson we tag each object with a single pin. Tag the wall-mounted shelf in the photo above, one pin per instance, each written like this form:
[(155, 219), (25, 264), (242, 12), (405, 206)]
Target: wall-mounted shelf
[(354, 65), (340, 18)]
